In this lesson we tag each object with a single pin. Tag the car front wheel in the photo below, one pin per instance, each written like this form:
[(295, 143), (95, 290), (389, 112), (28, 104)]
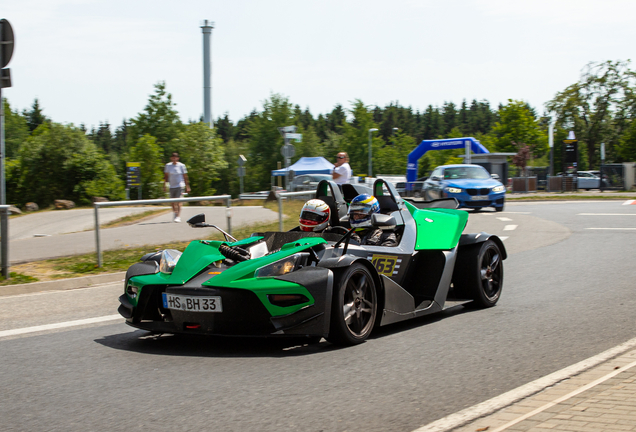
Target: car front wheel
[(354, 306)]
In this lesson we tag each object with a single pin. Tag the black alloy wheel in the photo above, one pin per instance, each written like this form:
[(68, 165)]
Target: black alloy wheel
[(478, 274), (354, 306)]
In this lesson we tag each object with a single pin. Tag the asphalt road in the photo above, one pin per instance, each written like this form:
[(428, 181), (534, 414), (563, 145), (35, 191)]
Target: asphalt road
[(568, 295)]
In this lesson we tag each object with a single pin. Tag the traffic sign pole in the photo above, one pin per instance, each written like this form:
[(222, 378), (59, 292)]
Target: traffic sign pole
[(6, 52)]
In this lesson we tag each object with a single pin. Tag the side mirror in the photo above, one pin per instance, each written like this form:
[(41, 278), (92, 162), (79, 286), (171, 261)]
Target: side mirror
[(495, 176), (196, 219), (434, 178), (383, 221)]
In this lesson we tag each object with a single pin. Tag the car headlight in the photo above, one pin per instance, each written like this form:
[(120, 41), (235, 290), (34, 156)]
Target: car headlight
[(453, 190), (283, 266), (169, 260), (500, 188)]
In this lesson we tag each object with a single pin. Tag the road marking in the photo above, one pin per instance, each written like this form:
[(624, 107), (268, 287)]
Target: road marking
[(60, 325), (630, 202), (504, 219), (498, 402), (611, 228), (502, 238), (606, 214), (507, 212), (510, 227)]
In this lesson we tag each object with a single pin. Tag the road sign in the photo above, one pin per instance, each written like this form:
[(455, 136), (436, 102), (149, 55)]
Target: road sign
[(288, 151), (240, 171), (287, 129), (7, 42), (5, 78), (241, 160), (295, 136), (133, 174)]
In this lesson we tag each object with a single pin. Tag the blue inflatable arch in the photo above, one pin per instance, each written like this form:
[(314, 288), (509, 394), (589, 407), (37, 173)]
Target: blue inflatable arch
[(443, 144)]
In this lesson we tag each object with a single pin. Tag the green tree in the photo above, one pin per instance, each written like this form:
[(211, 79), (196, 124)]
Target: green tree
[(391, 158), (59, 162), (265, 141), (598, 108), (148, 153), (356, 137), (202, 153), (517, 124), (35, 117), (159, 119), (16, 130)]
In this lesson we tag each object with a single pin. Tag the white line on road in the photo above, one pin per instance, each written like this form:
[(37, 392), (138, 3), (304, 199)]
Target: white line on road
[(504, 219), (510, 227), (54, 326), (488, 407), (630, 202), (606, 214), (507, 212), (611, 228), (502, 238)]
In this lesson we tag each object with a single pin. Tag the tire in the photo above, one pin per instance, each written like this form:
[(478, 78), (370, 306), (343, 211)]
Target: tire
[(499, 209), (353, 307), (478, 274), (476, 209)]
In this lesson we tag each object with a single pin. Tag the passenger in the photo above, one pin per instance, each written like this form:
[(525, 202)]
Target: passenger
[(315, 216), (360, 211)]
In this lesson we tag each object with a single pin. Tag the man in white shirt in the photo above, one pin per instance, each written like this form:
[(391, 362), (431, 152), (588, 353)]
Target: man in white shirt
[(342, 172), (176, 173)]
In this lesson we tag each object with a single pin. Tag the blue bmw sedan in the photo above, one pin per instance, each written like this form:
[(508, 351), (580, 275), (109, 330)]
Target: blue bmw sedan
[(471, 185)]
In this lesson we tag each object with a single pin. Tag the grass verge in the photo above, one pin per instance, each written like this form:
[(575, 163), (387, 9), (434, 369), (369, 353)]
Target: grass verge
[(120, 260)]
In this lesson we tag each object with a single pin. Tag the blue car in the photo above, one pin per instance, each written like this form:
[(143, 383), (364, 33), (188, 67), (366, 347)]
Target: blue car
[(471, 185)]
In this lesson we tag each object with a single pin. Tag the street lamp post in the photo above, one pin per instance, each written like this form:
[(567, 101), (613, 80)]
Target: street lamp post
[(370, 154)]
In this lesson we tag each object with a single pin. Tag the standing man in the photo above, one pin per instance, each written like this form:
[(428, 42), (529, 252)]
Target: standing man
[(176, 173), (342, 172)]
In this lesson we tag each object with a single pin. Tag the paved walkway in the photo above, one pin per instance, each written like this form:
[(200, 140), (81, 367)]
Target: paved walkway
[(600, 399)]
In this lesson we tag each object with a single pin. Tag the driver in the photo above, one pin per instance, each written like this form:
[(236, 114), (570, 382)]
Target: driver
[(360, 211), (314, 216)]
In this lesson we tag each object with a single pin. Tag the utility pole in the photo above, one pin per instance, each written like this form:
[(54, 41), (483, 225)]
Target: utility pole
[(206, 27)]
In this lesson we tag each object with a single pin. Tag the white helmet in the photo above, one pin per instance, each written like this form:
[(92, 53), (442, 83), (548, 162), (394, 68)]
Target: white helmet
[(315, 215)]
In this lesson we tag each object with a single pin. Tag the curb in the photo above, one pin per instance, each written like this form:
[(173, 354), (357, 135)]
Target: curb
[(62, 284)]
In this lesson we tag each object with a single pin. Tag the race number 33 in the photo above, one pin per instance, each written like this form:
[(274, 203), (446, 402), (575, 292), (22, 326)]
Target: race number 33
[(385, 264)]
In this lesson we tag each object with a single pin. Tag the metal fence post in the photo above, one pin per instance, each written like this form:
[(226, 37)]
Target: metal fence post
[(280, 212), (228, 214), (97, 245), (4, 233)]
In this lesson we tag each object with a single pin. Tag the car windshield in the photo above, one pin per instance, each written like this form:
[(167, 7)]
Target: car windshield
[(466, 173)]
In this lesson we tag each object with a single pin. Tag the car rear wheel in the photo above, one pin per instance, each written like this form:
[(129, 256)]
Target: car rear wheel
[(354, 306), (478, 274)]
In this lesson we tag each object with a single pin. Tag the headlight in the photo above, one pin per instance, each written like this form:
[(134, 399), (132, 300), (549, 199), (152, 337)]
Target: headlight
[(499, 188), (169, 259), (132, 291), (453, 190), (283, 266)]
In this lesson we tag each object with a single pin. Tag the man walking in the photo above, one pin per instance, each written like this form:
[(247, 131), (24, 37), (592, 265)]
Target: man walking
[(342, 171), (176, 173)]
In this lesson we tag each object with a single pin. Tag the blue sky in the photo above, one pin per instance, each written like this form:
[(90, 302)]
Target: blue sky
[(91, 61)]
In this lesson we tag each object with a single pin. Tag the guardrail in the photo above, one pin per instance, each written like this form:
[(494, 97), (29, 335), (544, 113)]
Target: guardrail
[(279, 198), (4, 239), (97, 205)]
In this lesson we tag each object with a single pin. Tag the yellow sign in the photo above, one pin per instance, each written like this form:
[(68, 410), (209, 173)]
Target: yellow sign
[(387, 265)]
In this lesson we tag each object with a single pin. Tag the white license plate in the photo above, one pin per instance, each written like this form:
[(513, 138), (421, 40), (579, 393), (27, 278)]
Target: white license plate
[(479, 198), (192, 303)]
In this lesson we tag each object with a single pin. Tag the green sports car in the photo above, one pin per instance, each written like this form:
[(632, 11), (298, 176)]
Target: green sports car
[(317, 285)]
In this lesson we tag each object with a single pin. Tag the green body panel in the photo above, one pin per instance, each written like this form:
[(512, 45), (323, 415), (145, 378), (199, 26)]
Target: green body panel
[(199, 255), (437, 228)]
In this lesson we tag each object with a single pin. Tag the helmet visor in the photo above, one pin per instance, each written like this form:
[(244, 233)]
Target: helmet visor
[(313, 217)]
